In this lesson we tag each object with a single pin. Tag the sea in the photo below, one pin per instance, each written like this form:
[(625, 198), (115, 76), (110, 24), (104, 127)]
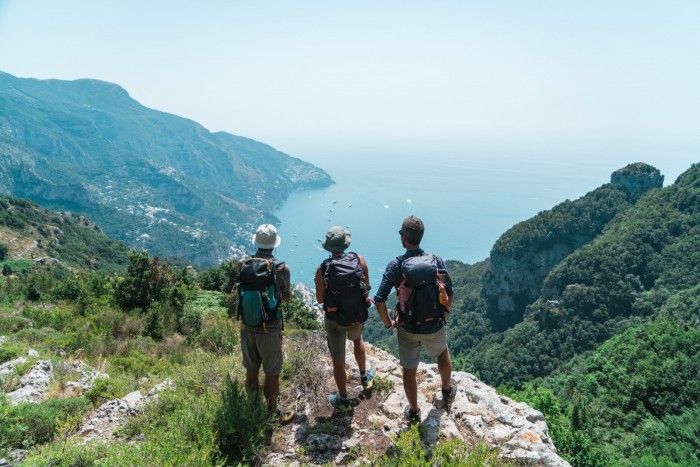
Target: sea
[(466, 195)]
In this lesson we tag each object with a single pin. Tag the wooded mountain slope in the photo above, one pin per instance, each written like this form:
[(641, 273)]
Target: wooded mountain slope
[(148, 178)]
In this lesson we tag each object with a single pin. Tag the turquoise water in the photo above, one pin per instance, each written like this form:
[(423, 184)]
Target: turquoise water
[(467, 197)]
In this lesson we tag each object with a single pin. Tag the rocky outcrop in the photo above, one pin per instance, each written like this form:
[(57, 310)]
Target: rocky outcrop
[(7, 367), (114, 414), (637, 178), (33, 384), (516, 430), (88, 377)]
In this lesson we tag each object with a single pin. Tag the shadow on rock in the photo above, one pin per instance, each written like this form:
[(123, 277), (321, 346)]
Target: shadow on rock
[(326, 439)]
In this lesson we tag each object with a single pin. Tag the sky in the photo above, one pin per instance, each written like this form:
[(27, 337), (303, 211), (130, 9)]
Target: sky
[(304, 75)]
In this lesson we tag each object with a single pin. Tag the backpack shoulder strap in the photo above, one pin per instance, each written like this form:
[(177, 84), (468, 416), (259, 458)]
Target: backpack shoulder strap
[(400, 259), (276, 264), (324, 266)]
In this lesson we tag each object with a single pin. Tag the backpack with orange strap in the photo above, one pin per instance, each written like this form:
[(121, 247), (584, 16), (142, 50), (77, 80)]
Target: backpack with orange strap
[(422, 295)]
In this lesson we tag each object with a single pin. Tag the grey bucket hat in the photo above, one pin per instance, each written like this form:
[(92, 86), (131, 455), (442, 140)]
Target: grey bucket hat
[(337, 239)]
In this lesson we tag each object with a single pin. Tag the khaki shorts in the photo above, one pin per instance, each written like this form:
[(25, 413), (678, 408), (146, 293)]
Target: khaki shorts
[(336, 335), (262, 348), (410, 344)]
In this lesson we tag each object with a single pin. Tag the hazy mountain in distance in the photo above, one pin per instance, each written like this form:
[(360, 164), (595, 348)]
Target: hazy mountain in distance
[(151, 179)]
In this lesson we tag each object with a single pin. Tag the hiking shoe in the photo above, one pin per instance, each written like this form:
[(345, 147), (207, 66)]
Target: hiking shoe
[(413, 418), (282, 417), (339, 403), (448, 397), (368, 379)]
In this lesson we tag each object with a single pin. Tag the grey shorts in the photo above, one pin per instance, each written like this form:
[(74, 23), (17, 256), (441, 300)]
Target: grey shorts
[(336, 335), (262, 348), (410, 344)]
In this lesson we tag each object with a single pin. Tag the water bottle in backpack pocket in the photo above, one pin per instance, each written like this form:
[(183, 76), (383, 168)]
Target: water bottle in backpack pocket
[(257, 294)]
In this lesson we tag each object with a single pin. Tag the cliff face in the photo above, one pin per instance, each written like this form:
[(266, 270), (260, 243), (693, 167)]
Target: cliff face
[(513, 282), (516, 430), (523, 256), (637, 178)]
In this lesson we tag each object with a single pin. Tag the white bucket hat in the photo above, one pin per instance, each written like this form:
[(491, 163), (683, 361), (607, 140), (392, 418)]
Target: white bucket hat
[(266, 237)]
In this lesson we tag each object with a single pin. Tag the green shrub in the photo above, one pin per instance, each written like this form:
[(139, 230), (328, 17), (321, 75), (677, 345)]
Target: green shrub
[(191, 322), (212, 279), (155, 326), (10, 351), (408, 451), (383, 386), (219, 335), (70, 289), (240, 422), (12, 324), (146, 281), (119, 324), (26, 425), (177, 429), (173, 349), (19, 266), (104, 389), (294, 311), (56, 317), (209, 302), (30, 335), (139, 365)]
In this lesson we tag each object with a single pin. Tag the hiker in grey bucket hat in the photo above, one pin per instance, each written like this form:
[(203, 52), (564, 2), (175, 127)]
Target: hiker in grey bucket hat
[(342, 308), (337, 240)]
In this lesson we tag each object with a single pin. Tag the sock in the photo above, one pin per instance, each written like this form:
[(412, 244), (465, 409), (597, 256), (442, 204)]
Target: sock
[(343, 397), (362, 373), (447, 392)]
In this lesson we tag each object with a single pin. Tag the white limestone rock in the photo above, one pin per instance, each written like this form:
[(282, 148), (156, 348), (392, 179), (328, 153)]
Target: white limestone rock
[(7, 367), (33, 384)]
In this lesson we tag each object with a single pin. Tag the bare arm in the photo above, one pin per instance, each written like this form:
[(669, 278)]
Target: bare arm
[(320, 286), (365, 270), (284, 285), (384, 315)]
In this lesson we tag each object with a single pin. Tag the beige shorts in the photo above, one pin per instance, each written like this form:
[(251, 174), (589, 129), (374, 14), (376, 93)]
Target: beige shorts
[(337, 334), (262, 348), (410, 344)]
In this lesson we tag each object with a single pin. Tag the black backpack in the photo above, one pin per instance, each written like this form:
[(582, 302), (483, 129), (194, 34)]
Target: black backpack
[(347, 297), (421, 290), (258, 302)]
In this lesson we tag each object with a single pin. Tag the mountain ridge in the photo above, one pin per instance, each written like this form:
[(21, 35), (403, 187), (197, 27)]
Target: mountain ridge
[(141, 174)]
